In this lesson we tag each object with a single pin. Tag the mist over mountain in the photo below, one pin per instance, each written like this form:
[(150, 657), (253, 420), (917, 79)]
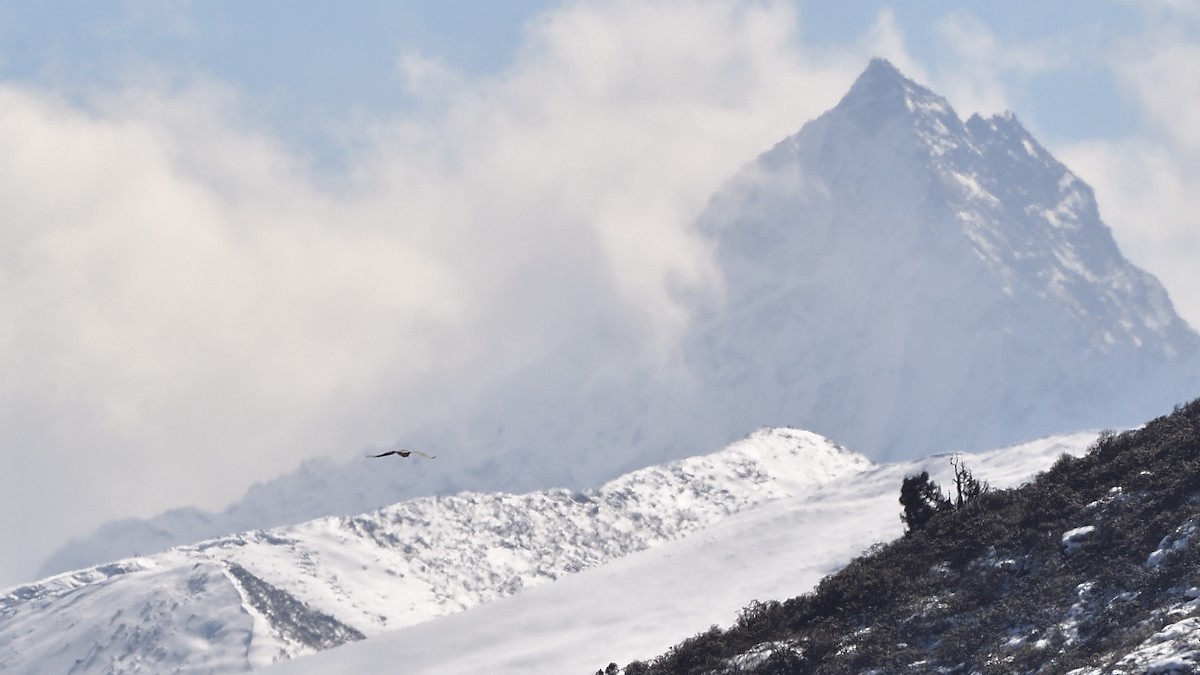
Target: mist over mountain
[(895, 278)]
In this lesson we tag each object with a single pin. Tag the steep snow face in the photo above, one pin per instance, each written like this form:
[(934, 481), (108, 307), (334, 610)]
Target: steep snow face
[(908, 282), (245, 601)]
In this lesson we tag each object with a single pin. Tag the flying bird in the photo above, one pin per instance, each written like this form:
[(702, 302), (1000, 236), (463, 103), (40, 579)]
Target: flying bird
[(404, 453)]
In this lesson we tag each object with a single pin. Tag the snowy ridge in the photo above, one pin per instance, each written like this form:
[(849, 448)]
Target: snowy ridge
[(247, 600), (642, 604)]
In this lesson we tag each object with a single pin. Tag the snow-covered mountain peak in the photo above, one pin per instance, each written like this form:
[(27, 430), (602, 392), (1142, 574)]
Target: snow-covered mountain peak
[(902, 261), (773, 462), (882, 96)]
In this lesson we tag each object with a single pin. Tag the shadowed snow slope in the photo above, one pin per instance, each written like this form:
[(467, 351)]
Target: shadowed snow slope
[(245, 601), (642, 604)]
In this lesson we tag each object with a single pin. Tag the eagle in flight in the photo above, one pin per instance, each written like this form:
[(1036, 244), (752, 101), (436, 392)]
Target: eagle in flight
[(404, 453)]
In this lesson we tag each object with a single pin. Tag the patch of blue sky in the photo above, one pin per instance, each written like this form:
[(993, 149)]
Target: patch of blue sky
[(311, 65)]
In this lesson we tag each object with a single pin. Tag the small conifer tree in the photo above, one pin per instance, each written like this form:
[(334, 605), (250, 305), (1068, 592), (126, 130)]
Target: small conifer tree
[(921, 498), (966, 486)]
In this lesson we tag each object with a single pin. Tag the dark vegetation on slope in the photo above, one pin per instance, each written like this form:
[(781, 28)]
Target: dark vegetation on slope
[(291, 618), (995, 587)]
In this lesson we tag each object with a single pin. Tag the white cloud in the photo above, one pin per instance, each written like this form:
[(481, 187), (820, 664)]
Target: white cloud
[(183, 311), (1160, 78), (978, 78), (973, 81), (886, 39), (427, 77), (1144, 182), (188, 309)]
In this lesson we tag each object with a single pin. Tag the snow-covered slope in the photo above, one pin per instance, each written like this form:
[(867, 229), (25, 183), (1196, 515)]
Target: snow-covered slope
[(639, 606), (895, 278), (245, 601)]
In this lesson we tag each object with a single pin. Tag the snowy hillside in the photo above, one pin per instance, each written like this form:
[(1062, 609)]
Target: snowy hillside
[(1089, 568), (245, 601), (894, 277), (638, 606)]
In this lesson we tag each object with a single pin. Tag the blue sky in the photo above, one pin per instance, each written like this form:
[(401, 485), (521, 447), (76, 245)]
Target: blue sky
[(234, 235), (308, 63)]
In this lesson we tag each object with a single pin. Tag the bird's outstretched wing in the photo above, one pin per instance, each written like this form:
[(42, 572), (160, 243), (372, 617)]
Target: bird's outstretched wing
[(404, 453)]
